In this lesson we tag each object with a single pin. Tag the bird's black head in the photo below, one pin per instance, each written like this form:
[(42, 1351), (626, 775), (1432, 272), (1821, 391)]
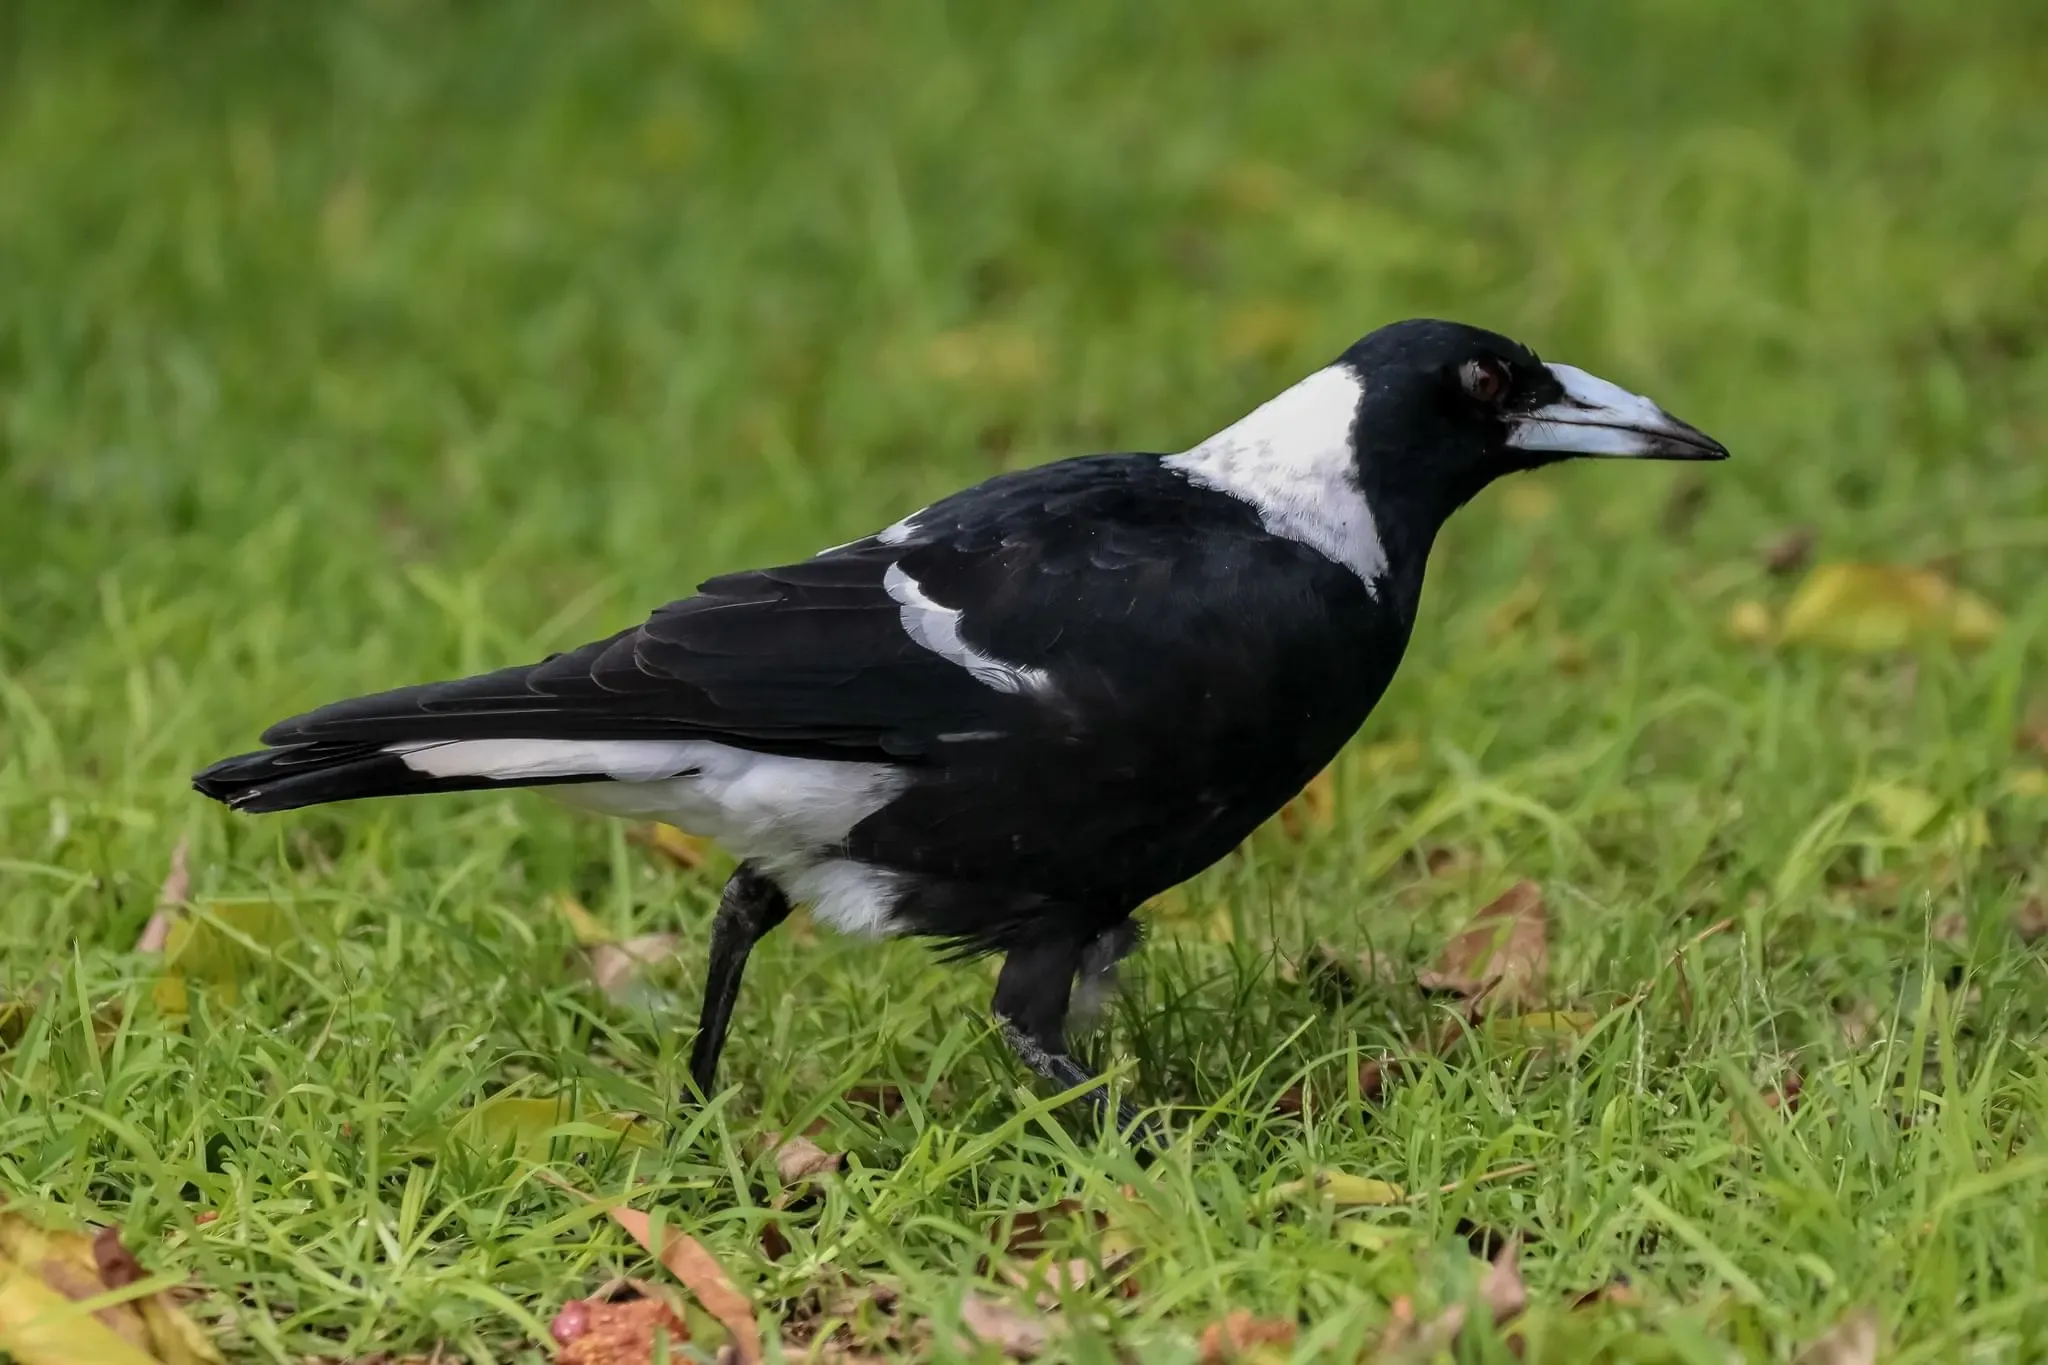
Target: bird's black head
[(1445, 409)]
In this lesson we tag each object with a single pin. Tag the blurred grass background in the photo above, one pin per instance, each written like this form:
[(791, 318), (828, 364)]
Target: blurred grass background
[(349, 345)]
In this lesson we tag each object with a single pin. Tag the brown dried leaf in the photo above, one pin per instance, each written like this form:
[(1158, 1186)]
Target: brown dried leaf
[(1005, 1327), (170, 900), (2030, 920), (671, 845), (701, 1274), (1502, 960), (1852, 1341), (1788, 552), (1243, 1337), (1406, 1340), (798, 1158), (1314, 809), (1501, 1288), (885, 1100)]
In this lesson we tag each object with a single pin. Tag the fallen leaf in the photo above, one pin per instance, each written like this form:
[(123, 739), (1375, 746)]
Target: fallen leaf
[(1389, 756), (1004, 1327), (1903, 810), (1749, 622), (1789, 552), (1541, 1029), (1242, 1337), (2026, 783), (698, 1270), (1501, 1288), (43, 1273), (588, 929), (617, 1326), (170, 900), (1952, 927), (1516, 609), (2030, 920), (1858, 1023), (798, 1158), (1685, 502), (615, 968), (216, 949), (1341, 1188), (1502, 960), (1314, 809), (685, 851), (1405, 1339), (14, 1017), (885, 1100), (528, 1127), (1852, 1341), (1880, 608)]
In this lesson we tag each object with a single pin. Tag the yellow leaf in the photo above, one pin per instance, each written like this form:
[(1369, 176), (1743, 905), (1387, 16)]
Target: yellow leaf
[(1750, 623), (2025, 783), (211, 950), (1875, 608), (1542, 1028), (45, 1274), (686, 851), (1390, 756), (39, 1326), (1516, 609), (1903, 811), (588, 930), (1315, 808), (1345, 1190), (528, 1127)]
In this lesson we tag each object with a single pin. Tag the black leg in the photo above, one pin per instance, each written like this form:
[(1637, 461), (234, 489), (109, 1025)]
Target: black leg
[(749, 908), (1032, 993)]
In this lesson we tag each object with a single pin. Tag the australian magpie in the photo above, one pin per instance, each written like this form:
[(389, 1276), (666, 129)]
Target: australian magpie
[(1010, 718)]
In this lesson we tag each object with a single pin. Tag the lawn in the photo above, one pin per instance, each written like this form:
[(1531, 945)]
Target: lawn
[(350, 345)]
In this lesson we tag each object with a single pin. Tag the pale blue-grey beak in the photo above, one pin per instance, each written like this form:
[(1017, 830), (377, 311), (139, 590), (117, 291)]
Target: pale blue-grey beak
[(1597, 418)]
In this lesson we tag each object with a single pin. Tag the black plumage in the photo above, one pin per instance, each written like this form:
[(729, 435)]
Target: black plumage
[(1009, 719)]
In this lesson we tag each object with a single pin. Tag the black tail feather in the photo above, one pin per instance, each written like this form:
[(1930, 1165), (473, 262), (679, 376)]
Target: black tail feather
[(296, 775)]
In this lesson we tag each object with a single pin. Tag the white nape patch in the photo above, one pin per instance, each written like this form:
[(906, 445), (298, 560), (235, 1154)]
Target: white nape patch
[(529, 760), (1294, 460), (937, 628), (1594, 417)]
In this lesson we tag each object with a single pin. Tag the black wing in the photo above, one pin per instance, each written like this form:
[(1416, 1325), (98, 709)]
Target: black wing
[(813, 659)]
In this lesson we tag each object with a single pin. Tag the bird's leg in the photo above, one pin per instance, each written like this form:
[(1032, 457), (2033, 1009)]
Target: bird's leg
[(750, 906), (1032, 992)]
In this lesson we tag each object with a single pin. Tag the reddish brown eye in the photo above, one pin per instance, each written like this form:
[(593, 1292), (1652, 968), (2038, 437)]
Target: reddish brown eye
[(1485, 380)]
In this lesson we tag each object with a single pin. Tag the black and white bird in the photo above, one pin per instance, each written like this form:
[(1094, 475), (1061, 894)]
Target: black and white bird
[(1008, 719)]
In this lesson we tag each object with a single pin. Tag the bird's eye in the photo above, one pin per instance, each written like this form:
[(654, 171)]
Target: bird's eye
[(1485, 380)]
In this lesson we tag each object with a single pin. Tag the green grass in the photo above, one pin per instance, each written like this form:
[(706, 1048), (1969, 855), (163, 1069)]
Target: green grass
[(343, 346)]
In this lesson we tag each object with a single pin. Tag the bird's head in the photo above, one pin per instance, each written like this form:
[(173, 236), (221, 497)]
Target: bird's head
[(1445, 409)]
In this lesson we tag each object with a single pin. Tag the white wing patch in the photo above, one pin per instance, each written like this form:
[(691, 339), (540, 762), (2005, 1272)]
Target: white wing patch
[(529, 760), (1294, 460), (937, 628)]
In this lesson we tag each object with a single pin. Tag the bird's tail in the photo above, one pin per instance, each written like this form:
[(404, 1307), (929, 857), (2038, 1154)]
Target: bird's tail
[(295, 775)]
